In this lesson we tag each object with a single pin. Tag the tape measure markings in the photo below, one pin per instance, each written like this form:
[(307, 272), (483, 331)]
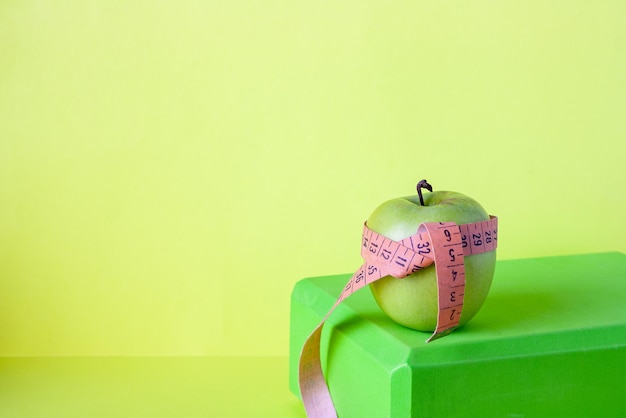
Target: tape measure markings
[(450, 271), (480, 236)]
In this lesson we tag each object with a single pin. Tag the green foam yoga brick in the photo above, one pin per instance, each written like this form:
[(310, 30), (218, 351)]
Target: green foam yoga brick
[(550, 341)]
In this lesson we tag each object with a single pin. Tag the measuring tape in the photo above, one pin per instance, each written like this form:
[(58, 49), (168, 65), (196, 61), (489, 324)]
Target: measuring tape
[(443, 243)]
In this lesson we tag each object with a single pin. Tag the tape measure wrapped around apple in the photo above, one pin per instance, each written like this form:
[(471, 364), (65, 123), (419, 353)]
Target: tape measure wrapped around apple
[(401, 240), (413, 301)]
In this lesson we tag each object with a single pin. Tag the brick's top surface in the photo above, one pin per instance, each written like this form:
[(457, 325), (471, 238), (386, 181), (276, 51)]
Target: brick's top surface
[(538, 305)]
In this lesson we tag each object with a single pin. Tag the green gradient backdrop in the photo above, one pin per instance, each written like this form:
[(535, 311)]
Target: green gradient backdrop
[(168, 170)]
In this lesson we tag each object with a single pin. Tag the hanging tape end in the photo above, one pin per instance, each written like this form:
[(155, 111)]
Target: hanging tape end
[(436, 335)]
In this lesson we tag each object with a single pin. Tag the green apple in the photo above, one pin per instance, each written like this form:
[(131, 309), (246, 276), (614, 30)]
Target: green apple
[(412, 301)]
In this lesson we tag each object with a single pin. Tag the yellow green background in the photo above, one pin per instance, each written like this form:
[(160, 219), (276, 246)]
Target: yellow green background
[(169, 170)]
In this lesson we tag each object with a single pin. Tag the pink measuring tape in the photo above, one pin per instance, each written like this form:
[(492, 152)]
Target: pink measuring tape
[(443, 243)]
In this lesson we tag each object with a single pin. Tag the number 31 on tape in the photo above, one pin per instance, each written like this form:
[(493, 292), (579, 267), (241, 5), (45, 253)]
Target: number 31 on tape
[(443, 243)]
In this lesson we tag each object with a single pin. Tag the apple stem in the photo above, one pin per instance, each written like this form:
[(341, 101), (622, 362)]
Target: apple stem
[(423, 184)]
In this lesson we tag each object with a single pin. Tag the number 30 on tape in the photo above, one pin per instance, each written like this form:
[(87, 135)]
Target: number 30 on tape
[(443, 243)]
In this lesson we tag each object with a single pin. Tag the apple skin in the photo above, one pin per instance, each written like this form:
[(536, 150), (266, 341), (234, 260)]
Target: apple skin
[(412, 301)]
